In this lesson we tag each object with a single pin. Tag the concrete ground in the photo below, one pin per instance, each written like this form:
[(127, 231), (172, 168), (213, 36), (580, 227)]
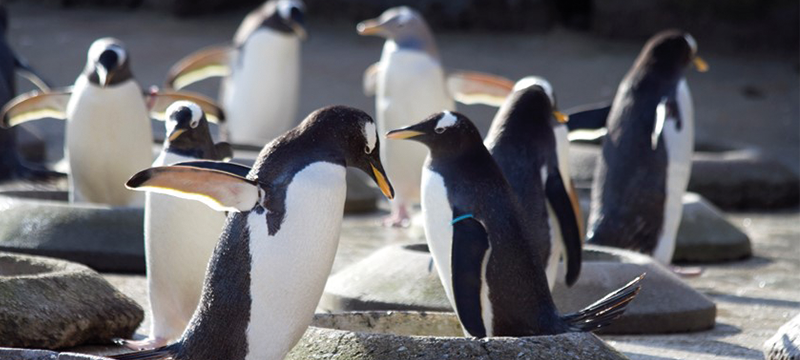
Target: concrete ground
[(746, 98)]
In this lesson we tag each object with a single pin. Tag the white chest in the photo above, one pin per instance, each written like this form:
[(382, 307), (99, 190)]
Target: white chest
[(438, 215), (289, 269)]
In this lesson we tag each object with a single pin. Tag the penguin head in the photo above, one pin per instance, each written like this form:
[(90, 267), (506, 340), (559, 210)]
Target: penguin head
[(534, 92), (187, 127), (404, 25), (107, 62), (670, 52), (445, 133), (287, 16)]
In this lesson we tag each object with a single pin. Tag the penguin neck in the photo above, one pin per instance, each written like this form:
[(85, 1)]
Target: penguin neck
[(422, 43), (196, 143), (118, 76)]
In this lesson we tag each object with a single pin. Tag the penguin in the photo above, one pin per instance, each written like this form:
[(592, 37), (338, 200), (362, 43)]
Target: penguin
[(173, 226), (645, 165), (528, 140), (12, 165), (409, 82), (261, 71), (484, 247), (108, 134), (271, 262)]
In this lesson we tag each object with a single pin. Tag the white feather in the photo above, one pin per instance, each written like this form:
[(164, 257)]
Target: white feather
[(438, 215), (487, 311), (289, 269), (447, 120), (529, 81)]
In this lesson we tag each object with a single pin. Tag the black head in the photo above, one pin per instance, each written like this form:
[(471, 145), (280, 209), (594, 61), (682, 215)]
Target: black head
[(670, 53), (534, 98), (286, 16), (187, 129), (107, 62), (445, 134)]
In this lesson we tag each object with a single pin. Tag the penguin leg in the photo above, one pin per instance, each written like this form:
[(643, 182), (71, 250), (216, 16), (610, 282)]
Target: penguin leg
[(399, 216), (146, 344)]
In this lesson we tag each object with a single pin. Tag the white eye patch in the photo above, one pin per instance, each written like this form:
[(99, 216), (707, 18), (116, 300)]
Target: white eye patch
[(371, 135), (197, 113), (447, 120), (692, 43), (101, 45), (285, 8), (529, 81)]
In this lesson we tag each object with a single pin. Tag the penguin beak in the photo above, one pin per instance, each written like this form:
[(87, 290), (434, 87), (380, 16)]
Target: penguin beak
[(700, 64), (379, 175), (369, 27), (402, 134), (103, 75), (299, 30), (561, 117), (177, 133)]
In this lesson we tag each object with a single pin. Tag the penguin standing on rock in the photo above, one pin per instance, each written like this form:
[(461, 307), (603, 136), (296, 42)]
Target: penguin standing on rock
[(275, 253), (108, 135), (261, 71), (409, 82), (644, 168), (528, 140), (483, 245), (179, 234)]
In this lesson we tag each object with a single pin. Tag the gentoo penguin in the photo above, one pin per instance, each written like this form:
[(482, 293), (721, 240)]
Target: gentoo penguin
[(108, 132), (11, 163), (179, 234), (646, 160), (261, 72), (269, 268), (484, 248), (528, 140), (409, 83)]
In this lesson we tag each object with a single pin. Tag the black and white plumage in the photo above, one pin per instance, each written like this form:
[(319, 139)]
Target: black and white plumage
[(528, 140), (275, 253), (646, 160), (483, 246)]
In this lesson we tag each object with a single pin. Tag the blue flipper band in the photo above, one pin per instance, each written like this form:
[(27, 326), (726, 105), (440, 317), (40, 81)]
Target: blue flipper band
[(462, 217)]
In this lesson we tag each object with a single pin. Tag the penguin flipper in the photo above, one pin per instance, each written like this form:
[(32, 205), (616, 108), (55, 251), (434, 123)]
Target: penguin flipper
[(588, 122), (562, 202), (36, 105), (603, 312), (224, 151), (164, 352), (470, 244), (228, 167), (213, 61), (470, 87), (158, 102), (25, 70), (221, 190), (370, 79)]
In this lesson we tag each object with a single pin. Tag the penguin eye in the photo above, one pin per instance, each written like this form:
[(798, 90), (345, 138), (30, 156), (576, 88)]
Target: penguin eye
[(367, 150), (194, 123), (439, 130)]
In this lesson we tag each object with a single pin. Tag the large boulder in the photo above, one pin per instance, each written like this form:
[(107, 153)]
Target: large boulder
[(31, 354), (785, 344), (399, 335), (48, 304), (705, 236)]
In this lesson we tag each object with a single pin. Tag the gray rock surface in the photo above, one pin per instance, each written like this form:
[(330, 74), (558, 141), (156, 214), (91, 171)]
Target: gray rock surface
[(49, 303), (403, 278), (104, 238), (731, 179), (399, 335), (704, 235), (785, 344), (30, 354)]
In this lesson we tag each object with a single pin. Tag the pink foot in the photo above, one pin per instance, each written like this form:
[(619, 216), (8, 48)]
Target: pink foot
[(398, 218), (146, 344), (691, 271)]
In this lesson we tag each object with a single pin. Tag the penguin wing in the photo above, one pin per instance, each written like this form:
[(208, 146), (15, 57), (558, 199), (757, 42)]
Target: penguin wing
[(563, 204), (588, 122), (160, 100), (26, 71), (219, 189), (470, 244), (36, 105), (470, 87), (202, 64), (370, 80)]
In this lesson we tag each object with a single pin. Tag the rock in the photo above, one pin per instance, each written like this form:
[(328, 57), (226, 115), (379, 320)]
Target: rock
[(30, 354), (785, 344), (404, 335), (704, 234), (730, 178), (49, 303), (104, 238)]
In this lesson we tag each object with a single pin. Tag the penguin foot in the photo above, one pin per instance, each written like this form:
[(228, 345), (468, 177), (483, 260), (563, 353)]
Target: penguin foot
[(396, 221), (686, 272), (138, 345)]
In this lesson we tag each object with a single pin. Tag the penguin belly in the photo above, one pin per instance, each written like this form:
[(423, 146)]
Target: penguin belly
[(108, 139), (438, 215), (180, 236), (554, 268), (558, 251), (290, 268), (679, 144), (260, 96), (410, 88)]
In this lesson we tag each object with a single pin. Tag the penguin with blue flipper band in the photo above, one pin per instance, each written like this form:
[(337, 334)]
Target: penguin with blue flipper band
[(645, 164), (528, 140), (270, 265), (483, 246)]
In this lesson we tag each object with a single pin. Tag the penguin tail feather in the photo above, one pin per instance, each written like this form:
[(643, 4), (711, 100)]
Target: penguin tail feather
[(164, 352), (603, 312)]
